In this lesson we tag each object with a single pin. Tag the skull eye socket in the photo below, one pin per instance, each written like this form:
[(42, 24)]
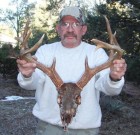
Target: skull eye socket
[(78, 99), (59, 99)]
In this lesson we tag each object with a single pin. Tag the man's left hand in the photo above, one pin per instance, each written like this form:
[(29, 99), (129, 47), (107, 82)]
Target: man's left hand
[(117, 69)]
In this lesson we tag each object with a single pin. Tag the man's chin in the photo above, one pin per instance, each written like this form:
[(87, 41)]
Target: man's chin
[(70, 40), (70, 43)]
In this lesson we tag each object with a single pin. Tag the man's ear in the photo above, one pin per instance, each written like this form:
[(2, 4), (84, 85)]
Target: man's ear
[(84, 29)]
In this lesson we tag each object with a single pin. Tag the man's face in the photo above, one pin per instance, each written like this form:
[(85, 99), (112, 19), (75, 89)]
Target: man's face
[(70, 31)]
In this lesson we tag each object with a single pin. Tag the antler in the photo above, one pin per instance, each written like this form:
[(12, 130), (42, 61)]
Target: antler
[(116, 53), (25, 54)]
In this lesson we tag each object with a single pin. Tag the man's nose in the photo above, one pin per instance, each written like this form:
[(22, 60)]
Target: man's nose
[(70, 28)]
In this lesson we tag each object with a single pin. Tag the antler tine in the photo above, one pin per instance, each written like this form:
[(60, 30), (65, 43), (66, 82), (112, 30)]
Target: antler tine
[(26, 29), (26, 35), (102, 44), (112, 37), (24, 44), (54, 76), (109, 30), (115, 40), (84, 79), (36, 46), (116, 53)]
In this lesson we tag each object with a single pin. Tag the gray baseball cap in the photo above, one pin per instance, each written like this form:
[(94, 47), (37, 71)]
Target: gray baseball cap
[(75, 12)]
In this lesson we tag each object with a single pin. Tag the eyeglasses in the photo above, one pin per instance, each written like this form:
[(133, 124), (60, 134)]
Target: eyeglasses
[(74, 25)]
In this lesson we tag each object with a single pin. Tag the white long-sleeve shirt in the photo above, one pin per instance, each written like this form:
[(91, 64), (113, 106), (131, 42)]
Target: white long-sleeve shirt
[(70, 65)]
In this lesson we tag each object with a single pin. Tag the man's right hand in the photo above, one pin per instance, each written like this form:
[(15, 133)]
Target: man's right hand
[(26, 68)]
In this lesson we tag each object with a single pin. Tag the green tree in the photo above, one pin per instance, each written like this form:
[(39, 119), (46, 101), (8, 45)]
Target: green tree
[(46, 15), (15, 18), (7, 66)]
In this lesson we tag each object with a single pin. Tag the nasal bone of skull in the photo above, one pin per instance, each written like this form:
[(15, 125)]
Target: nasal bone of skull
[(70, 112)]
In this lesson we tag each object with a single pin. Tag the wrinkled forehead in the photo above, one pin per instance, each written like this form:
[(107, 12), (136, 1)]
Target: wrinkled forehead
[(69, 19)]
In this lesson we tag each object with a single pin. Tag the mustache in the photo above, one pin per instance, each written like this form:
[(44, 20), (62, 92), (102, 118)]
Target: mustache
[(70, 34)]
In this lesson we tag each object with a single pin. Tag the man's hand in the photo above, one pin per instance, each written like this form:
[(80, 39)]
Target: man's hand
[(117, 69), (26, 68)]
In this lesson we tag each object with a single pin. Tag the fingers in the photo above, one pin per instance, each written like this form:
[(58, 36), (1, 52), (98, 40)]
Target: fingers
[(118, 69), (26, 68), (119, 65)]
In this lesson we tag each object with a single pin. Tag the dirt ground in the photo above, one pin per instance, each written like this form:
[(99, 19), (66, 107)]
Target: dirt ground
[(120, 118)]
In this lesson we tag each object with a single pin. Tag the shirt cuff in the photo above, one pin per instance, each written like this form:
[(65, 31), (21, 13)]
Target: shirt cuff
[(118, 83), (25, 78)]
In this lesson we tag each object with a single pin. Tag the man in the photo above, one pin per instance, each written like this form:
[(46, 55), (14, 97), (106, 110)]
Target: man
[(70, 54)]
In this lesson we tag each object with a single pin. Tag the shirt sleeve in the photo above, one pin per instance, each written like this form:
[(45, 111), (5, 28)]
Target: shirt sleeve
[(103, 82), (31, 82)]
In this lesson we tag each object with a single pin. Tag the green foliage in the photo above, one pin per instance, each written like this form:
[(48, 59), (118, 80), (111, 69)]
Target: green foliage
[(96, 28), (46, 17), (8, 66), (135, 3), (4, 52), (53, 5), (133, 69)]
